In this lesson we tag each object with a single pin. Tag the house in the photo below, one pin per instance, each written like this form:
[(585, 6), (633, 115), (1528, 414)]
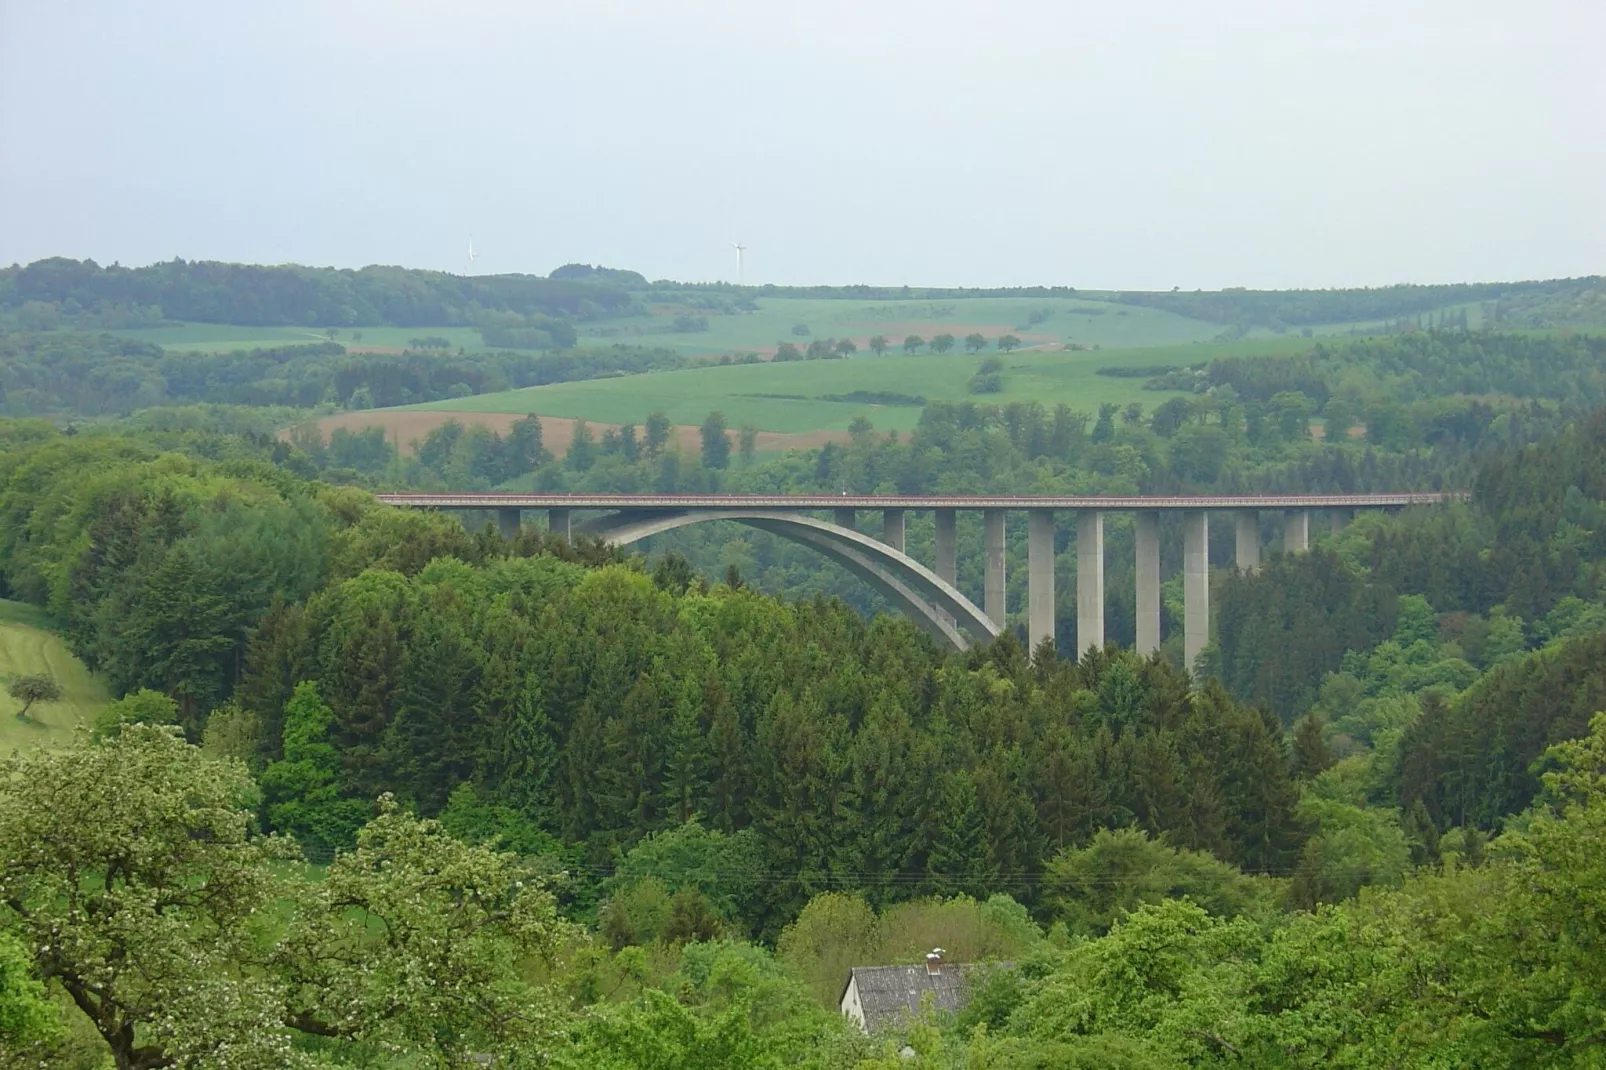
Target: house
[(882, 997)]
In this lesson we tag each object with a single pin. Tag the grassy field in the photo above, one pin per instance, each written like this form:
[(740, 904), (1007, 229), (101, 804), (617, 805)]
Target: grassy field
[(217, 338), (1058, 321), (27, 646), (1088, 322), (787, 397), (1038, 322)]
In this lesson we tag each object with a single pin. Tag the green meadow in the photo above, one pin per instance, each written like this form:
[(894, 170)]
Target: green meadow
[(218, 337), (790, 397), (27, 646), (1039, 321)]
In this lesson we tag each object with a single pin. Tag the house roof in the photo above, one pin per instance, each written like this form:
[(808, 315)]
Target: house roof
[(889, 994)]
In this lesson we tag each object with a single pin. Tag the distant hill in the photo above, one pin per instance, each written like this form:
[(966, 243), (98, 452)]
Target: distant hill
[(598, 273), (1551, 303), (292, 295)]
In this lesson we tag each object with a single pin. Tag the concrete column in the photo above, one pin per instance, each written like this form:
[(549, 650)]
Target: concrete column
[(1337, 520), (847, 518), (1039, 576), (1148, 582), (1089, 580), (557, 522), (1248, 531), (947, 547), (1195, 584), (892, 529), (993, 601), (507, 522), (1296, 531)]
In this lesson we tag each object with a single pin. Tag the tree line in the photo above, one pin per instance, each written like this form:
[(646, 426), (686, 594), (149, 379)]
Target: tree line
[(296, 296), (1309, 308), (80, 374)]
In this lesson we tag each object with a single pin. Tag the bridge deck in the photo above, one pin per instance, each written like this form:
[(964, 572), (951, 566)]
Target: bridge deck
[(937, 501)]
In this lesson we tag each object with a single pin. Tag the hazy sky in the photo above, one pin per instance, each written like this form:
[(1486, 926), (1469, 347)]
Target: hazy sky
[(1125, 143)]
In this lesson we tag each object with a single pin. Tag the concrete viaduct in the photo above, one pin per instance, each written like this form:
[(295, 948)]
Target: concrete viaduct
[(929, 595)]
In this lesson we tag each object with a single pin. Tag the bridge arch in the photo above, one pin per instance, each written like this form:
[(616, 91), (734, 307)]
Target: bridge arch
[(927, 599)]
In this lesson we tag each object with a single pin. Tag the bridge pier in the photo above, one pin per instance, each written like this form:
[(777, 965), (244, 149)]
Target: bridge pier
[(1089, 580), (996, 586), (1248, 540), (847, 518), (1296, 531), (1337, 520), (507, 523), (1195, 585), (1148, 582), (1039, 576), (946, 544), (557, 522), (892, 528)]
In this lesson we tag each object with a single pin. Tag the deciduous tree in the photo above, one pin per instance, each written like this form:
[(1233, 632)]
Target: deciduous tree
[(32, 689)]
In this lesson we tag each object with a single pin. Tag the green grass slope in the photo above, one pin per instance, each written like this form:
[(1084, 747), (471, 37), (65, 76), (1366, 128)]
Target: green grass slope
[(788, 397), (27, 646), (1057, 320)]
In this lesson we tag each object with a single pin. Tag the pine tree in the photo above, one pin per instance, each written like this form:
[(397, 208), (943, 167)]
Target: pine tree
[(728, 765), (519, 756), (686, 767), (434, 741), (1310, 751), (957, 862)]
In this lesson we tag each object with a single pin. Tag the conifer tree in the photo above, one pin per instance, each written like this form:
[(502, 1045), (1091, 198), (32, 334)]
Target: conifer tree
[(958, 861)]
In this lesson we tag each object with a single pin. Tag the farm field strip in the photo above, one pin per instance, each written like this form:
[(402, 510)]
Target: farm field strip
[(786, 397)]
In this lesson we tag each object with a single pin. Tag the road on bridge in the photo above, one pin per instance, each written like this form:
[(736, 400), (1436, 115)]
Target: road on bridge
[(923, 501)]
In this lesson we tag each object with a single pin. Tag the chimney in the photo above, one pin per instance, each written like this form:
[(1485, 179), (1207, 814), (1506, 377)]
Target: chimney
[(934, 961)]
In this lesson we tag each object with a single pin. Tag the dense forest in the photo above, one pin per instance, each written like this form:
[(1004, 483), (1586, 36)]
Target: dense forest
[(717, 800), (381, 789), (85, 294), (1416, 367), (79, 374), (293, 296), (1558, 302)]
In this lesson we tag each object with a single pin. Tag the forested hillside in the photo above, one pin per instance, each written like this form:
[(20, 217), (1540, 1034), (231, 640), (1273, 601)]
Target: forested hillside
[(717, 800), (721, 779), (74, 374), (1553, 303), (257, 295)]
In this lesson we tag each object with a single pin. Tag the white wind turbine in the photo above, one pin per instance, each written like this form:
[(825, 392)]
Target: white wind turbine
[(740, 249), (472, 256)]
